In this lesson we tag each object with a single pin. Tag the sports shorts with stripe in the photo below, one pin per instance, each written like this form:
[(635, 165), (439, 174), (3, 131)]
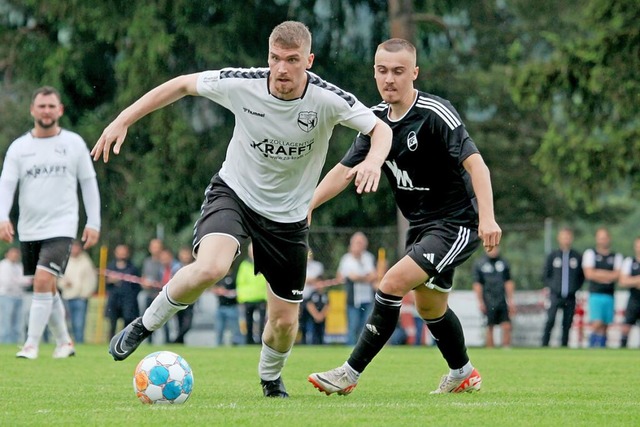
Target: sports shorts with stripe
[(279, 249), (51, 255), (439, 246)]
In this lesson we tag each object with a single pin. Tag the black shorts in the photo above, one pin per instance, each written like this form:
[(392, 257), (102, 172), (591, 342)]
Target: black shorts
[(279, 249), (50, 254), (440, 246), (632, 313), (497, 314)]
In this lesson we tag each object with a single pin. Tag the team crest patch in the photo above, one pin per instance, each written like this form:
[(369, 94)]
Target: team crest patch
[(307, 120), (412, 141)]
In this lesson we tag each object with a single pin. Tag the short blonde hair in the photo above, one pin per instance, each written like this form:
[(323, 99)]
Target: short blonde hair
[(291, 35), (396, 45)]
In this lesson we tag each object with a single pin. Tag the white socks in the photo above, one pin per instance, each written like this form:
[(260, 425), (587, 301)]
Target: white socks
[(271, 363), (461, 372), (39, 313), (351, 373), (58, 321), (160, 311)]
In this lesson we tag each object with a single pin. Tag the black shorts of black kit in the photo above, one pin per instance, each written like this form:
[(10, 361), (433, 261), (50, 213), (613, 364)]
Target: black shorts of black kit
[(279, 249), (49, 254), (497, 314), (632, 312), (439, 246)]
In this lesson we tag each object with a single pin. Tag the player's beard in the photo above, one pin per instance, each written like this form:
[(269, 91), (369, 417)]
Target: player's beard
[(45, 125)]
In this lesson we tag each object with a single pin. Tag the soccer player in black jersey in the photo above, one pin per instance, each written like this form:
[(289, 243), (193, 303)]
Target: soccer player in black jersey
[(442, 186)]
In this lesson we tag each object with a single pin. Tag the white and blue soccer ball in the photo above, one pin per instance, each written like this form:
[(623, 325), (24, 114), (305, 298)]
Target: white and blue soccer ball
[(163, 377)]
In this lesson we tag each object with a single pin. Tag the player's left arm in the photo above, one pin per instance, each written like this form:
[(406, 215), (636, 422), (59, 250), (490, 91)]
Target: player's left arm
[(333, 183), (91, 200), (488, 229), (367, 173)]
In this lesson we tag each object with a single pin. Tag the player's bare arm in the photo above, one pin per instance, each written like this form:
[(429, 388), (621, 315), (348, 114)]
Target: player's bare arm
[(367, 173), (155, 99), (627, 281), (600, 275), (488, 229), (6, 231), (333, 183), (90, 237)]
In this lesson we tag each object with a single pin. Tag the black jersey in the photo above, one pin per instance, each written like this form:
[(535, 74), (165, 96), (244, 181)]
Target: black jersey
[(424, 166)]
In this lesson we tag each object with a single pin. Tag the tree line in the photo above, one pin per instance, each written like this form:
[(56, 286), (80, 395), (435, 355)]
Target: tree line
[(548, 90)]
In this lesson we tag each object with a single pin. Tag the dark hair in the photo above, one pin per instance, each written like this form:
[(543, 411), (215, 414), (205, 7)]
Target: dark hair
[(45, 90)]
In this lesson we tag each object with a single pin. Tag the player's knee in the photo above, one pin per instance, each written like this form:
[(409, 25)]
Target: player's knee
[(204, 275), (283, 324)]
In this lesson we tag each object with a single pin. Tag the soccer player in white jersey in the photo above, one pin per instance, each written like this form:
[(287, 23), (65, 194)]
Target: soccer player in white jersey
[(47, 163), (442, 186), (284, 119)]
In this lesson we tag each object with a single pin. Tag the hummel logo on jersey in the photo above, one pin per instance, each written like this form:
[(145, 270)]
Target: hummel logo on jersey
[(253, 113), (372, 329), (430, 257), (412, 141)]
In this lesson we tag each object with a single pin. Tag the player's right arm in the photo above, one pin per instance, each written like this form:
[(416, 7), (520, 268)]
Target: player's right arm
[(8, 186), (155, 99)]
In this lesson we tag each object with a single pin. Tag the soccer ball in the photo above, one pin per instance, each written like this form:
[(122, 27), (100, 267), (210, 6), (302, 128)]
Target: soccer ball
[(163, 377)]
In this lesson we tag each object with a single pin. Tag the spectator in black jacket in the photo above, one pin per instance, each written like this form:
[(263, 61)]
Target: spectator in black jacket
[(563, 277), (122, 289)]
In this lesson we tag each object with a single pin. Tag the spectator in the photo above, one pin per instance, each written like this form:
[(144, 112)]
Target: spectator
[(227, 315), (630, 279), (252, 294), (79, 283), (318, 306), (184, 317), (152, 275), (12, 290), (494, 288), (601, 268), (357, 269), (563, 277), (315, 270), (169, 266), (123, 287)]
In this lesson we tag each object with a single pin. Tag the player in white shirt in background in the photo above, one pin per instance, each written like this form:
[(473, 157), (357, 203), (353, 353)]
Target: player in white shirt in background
[(47, 164)]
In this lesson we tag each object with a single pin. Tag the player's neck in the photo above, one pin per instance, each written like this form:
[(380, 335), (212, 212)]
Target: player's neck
[(40, 132), (397, 110)]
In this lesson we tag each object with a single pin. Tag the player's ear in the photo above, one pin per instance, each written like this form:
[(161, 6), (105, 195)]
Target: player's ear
[(310, 60), (416, 71)]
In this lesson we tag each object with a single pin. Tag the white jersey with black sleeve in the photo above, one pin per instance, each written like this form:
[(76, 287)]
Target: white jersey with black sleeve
[(278, 148), (47, 172)]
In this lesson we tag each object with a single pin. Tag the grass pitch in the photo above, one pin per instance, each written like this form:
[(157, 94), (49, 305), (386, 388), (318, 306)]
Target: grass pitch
[(521, 387)]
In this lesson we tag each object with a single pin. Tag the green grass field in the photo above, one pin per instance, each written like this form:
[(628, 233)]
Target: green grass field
[(521, 387)]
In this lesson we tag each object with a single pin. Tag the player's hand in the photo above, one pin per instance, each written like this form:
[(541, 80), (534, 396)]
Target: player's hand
[(6, 231), (90, 237), (490, 233), (115, 132), (309, 216), (367, 175)]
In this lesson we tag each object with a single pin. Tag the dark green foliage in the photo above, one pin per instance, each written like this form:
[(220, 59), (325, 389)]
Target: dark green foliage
[(519, 72)]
